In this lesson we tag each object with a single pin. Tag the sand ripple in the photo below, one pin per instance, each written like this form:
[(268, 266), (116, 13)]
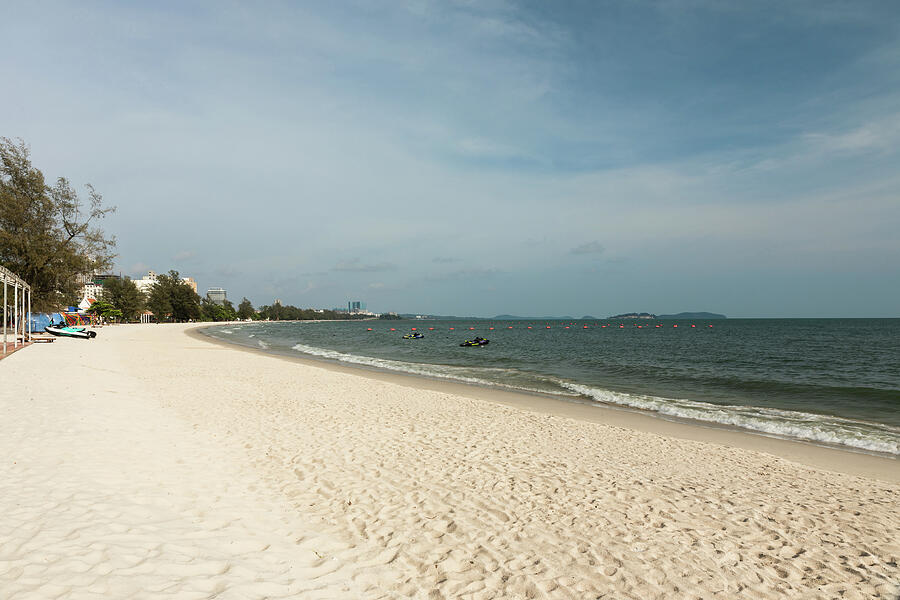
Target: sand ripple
[(204, 472)]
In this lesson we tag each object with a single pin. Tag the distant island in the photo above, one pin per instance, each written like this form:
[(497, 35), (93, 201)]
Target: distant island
[(683, 315), (693, 315)]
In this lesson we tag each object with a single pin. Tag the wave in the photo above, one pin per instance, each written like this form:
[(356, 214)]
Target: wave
[(873, 437), (463, 374), (815, 428)]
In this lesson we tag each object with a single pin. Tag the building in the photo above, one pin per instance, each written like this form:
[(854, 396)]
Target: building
[(357, 307), (216, 295), (92, 285), (146, 282)]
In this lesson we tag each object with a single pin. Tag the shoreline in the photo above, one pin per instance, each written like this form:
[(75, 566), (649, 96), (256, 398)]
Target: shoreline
[(847, 461), (190, 467)]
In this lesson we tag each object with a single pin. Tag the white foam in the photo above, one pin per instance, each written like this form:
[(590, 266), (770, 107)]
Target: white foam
[(873, 437), (462, 374)]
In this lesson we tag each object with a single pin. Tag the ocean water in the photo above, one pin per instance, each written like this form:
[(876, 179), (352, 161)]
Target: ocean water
[(826, 381)]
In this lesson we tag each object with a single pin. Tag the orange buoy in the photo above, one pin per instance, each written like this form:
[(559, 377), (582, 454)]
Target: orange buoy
[(674, 325), (510, 327), (392, 329), (431, 329), (585, 327), (369, 329), (548, 327), (529, 327), (413, 328), (451, 329), (709, 325), (491, 328), (471, 328)]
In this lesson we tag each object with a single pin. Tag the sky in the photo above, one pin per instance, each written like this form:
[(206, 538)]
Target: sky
[(481, 158)]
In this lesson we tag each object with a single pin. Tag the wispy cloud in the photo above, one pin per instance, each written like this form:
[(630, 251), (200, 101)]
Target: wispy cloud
[(183, 255), (465, 274), (588, 248), (357, 266), (138, 269)]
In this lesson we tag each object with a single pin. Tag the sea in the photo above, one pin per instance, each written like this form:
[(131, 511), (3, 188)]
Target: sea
[(832, 382)]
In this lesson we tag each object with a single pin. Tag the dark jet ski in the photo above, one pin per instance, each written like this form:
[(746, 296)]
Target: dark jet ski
[(478, 341), (75, 332), (413, 336)]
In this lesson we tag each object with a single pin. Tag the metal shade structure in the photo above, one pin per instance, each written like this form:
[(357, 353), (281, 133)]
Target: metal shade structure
[(16, 317)]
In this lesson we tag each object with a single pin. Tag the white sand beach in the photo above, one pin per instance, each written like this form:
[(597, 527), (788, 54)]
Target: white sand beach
[(150, 463)]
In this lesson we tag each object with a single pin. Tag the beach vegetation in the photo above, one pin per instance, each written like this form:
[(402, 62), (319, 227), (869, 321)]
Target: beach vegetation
[(49, 235), (245, 310), (124, 295), (280, 312), (211, 311), (172, 299), (105, 309)]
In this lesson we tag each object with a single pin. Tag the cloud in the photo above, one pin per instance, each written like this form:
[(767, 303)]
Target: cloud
[(183, 255), (881, 134), (139, 268), (465, 274), (355, 266), (377, 285), (444, 259), (226, 271), (588, 248)]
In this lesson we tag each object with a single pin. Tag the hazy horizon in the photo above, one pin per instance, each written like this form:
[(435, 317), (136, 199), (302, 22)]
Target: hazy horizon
[(586, 158)]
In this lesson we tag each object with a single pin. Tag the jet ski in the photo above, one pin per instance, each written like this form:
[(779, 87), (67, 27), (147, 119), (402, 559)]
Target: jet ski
[(75, 332), (413, 336), (478, 341)]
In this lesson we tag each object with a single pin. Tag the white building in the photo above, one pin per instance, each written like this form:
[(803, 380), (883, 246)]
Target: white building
[(217, 295), (146, 282)]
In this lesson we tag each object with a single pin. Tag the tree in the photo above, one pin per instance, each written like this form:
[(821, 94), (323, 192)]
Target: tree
[(125, 296), (47, 235), (105, 310), (217, 312), (245, 310), (170, 297)]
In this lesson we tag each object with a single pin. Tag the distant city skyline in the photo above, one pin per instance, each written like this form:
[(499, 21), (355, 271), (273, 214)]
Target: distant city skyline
[(476, 159)]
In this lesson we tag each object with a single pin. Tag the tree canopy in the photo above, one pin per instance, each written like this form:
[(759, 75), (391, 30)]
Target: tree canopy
[(171, 299), (279, 312), (245, 310), (210, 311), (125, 296), (105, 310), (48, 234)]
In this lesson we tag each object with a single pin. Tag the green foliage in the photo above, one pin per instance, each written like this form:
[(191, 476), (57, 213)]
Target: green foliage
[(171, 299), (47, 235), (105, 310), (210, 311), (125, 296), (278, 312), (245, 310)]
